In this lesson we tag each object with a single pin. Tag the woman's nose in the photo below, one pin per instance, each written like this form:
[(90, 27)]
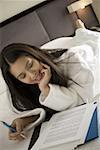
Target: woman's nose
[(32, 75)]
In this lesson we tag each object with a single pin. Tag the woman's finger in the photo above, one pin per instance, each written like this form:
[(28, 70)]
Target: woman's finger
[(47, 73), (13, 136), (19, 127), (46, 70), (20, 138), (45, 65), (16, 136)]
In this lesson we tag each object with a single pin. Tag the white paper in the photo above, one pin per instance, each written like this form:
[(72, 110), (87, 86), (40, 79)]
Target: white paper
[(66, 127)]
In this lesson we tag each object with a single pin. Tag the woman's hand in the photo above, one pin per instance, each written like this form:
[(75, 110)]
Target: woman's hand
[(19, 124), (43, 85)]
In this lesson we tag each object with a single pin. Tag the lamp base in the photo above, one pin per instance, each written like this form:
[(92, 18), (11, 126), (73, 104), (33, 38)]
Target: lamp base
[(79, 24)]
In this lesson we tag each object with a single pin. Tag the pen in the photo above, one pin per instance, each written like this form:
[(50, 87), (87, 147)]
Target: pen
[(11, 128)]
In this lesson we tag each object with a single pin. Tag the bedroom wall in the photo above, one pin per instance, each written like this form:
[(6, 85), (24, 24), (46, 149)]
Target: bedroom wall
[(96, 7), (13, 7), (42, 25)]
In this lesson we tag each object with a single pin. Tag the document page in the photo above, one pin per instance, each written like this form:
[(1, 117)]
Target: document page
[(66, 127)]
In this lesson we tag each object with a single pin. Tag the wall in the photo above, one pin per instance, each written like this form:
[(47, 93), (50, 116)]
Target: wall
[(96, 7), (39, 26), (9, 8)]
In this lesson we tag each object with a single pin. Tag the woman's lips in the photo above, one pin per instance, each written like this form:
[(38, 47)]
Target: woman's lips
[(39, 77)]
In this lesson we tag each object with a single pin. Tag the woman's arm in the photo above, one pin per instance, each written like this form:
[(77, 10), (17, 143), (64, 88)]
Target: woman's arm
[(28, 120), (78, 92)]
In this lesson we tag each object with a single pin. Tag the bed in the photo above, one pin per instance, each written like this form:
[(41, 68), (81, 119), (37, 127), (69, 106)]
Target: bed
[(55, 29)]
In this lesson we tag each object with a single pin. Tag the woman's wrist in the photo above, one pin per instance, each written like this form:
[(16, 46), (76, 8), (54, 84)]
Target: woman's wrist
[(30, 119), (45, 90)]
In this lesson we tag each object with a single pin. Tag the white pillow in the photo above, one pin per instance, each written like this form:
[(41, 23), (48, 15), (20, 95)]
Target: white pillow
[(63, 42), (82, 36), (3, 85), (4, 96)]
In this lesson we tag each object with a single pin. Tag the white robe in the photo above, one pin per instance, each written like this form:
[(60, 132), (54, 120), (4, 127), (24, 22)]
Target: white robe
[(59, 97), (75, 67)]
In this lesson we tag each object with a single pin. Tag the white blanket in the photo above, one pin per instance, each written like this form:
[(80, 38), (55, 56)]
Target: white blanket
[(85, 42)]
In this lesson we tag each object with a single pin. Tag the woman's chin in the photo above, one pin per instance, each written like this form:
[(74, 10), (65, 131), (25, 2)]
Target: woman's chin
[(36, 82)]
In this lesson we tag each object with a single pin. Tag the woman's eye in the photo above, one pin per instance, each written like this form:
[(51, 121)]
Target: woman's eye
[(22, 76), (30, 64)]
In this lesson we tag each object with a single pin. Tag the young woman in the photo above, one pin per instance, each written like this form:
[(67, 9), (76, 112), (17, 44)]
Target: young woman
[(51, 79)]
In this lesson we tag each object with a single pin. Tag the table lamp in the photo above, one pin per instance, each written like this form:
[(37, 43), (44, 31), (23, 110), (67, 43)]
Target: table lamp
[(80, 4)]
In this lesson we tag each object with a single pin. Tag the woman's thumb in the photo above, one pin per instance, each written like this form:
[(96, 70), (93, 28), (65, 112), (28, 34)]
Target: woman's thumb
[(18, 127)]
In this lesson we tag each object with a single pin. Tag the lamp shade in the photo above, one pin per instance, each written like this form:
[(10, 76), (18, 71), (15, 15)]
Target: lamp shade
[(78, 5)]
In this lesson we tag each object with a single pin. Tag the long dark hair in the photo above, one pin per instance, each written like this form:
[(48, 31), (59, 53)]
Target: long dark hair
[(25, 96)]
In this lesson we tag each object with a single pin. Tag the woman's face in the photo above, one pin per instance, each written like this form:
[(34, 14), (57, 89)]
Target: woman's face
[(27, 70)]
